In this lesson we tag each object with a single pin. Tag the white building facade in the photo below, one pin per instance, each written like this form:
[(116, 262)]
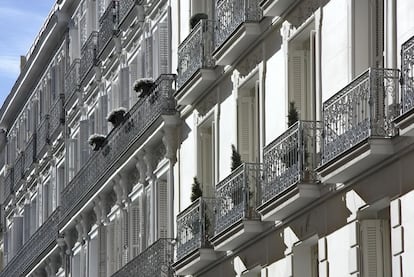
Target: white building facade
[(123, 105)]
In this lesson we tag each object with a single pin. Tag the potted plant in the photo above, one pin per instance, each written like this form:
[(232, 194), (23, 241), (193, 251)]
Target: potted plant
[(236, 160), (143, 86), (196, 191), (196, 18), (97, 141), (116, 116), (293, 115)]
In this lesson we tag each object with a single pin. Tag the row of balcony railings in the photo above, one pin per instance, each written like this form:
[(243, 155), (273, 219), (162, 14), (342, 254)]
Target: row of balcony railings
[(42, 139), (108, 24), (72, 82), (407, 76), (146, 111), (30, 253), (56, 118), (88, 56), (154, 261), (364, 108), (8, 183), (195, 52)]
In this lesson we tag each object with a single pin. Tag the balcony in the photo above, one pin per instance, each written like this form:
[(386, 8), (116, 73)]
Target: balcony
[(89, 57), (275, 7), (35, 248), (289, 163), (30, 154), (8, 184), (128, 9), (236, 218), (195, 225), (358, 125), (406, 120), (120, 143), (237, 26), (18, 171), (195, 63), (57, 119), (42, 137), (154, 261), (72, 82), (108, 27)]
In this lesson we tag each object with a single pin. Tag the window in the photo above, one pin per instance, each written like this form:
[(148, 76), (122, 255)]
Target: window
[(305, 258), (206, 156), (247, 121), (72, 156), (160, 49), (301, 63), (137, 226)]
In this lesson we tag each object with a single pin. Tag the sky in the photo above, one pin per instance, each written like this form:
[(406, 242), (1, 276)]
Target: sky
[(20, 22)]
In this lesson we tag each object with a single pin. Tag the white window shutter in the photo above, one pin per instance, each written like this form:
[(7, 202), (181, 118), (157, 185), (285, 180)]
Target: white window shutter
[(373, 245), (207, 158), (155, 53), (134, 215), (246, 128), (110, 254), (40, 205), (297, 81), (103, 112), (125, 237), (45, 200), (17, 233), (133, 76), (83, 141), (142, 223), (72, 158), (148, 217), (162, 207), (102, 250), (26, 222), (163, 48), (54, 191), (124, 87), (148, 58), (33, 213)]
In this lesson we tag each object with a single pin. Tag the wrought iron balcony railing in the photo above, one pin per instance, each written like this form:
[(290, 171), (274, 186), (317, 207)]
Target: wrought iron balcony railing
[(8, 184), (230, 14), (88, 55), (125, 8), (42, 136), (18, 170), (195, 52), (291, 158), (237, 196), (154, 261), (30, 152), (101, 163), (32, 250), (364, 108), (72, 81), (108, 24), (57, 117), (407, 75), (195, 225)]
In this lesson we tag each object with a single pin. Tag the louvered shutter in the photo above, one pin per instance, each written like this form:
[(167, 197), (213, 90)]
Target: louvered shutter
[(102, 250), (162, 207), (39, 205), (53, 84), (54, 190), (26, 222), (207, 159), (17, 233), (163, 48), (45, 199), (125, 237), (245, 128), (118, 241), (124, 87), (33, 215), (373, 246), (114, 96), (6, 244), (133, 76), (147, 216), (155, 53), (72, 157), (103, 112), (83, 141), (148, 58), (111, 253), (297, 81), (93, 258), (135, 225)]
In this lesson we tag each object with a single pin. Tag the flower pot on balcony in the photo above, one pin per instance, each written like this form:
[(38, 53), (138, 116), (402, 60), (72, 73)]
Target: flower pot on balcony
[(97, 141), (116, 116), (143, 87), (196, 18)]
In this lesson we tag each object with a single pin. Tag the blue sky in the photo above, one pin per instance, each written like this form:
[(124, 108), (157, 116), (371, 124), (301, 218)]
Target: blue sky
[(21, 21)]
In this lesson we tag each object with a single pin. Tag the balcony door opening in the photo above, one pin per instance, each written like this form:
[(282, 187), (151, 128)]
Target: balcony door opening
[(206, 156), (301, 72), (248, 120)]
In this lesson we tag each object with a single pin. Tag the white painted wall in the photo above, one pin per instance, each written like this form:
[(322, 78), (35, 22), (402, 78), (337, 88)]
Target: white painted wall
[(275, 97), (334, 60), (407, 223), (184, 18), (227, 135), (405, 23), (187, 164)]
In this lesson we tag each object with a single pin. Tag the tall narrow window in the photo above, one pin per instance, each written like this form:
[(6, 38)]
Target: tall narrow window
[(247, 122), (301, 60), (206, 157)]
